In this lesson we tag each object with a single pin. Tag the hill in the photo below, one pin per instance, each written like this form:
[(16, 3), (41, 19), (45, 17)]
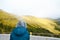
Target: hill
[(34, 24), (7, 21), (42, 23)]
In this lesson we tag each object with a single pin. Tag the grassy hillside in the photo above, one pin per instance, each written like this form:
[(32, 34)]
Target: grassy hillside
[(7, 22), (34, 24), (7, 19), (42, 23)]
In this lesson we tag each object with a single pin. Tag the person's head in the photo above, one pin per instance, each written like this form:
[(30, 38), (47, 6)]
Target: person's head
[(21, 23)]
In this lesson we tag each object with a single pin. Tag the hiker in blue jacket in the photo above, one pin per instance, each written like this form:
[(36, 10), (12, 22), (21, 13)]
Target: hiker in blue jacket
[(20, 32)]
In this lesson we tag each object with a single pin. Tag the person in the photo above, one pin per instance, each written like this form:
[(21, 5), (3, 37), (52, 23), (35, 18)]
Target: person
[(20, 32)]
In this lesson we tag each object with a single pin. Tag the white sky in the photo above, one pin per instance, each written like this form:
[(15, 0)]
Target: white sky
[(39, 8)]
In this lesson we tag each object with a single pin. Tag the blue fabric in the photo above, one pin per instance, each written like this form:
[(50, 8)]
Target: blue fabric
[(20, 33)]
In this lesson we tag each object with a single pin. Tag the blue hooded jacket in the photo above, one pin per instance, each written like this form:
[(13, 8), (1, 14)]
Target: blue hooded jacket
[(20, 33)]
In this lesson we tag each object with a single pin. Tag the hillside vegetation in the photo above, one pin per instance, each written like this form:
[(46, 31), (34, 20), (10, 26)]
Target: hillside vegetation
[(7, 22), (34, 24)]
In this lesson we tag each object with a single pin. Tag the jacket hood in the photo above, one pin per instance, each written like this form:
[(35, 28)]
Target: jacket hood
[(19, 31)]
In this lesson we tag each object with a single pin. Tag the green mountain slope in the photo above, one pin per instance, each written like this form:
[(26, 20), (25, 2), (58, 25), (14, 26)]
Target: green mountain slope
[(34, 24)]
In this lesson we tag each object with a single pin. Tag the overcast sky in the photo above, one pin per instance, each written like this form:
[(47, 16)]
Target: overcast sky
[(39, 8)]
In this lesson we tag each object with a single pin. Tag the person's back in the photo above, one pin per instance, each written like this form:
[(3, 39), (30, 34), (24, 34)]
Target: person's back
[(20, 33)]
